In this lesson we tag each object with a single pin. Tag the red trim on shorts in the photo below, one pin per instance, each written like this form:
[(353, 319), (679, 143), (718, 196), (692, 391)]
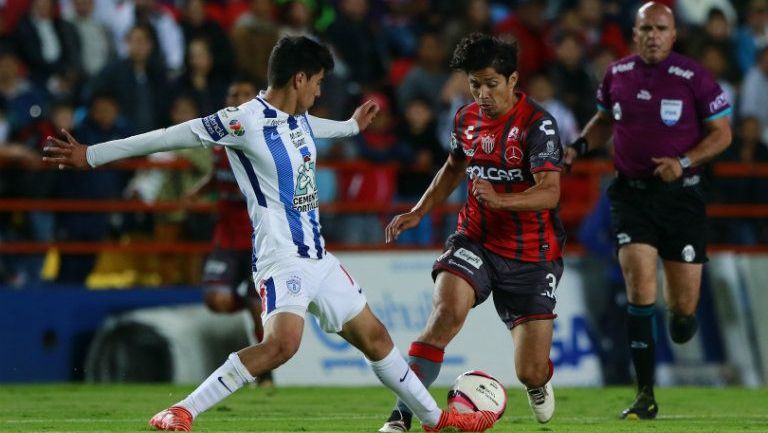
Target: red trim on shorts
[(458, 274), (351, 281), (426, 351), (532, 317)]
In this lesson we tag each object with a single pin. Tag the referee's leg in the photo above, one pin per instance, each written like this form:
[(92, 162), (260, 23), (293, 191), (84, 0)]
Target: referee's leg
[(682, 292), (638, 264)]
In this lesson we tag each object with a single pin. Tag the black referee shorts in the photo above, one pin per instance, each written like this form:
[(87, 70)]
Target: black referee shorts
[(670, 217), (522, 291)]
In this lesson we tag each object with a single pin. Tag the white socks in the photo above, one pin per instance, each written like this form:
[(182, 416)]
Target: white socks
[(395, 373), (228, 378)]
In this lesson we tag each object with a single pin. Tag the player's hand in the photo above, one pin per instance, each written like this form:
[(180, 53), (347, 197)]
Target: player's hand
[(668, 169), (484, 192), (569, 155), (365, 113), (400, 223), (65, 154)]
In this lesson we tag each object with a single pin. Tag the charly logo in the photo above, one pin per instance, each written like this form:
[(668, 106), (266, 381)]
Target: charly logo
[(293, 284), (688, 253), (623, 238)]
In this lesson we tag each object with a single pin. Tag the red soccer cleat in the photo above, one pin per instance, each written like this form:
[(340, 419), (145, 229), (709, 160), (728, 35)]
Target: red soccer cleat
[(454, 421), (175, 418)]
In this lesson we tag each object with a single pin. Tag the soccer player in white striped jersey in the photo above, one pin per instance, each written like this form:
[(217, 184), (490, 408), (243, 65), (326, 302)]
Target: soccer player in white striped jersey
[(270, 144)]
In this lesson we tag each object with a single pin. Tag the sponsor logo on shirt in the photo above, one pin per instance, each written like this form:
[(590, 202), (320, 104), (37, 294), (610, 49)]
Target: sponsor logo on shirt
[(513, 155), (214, 127), (719, 102), (495, 174), (514, 134), (644, 95), (671, 110), (469, 257), (552, 150), (274, 122), (454, 142), (305, 195), (616, 111), (297, 138), (622, 67), (680, 72)]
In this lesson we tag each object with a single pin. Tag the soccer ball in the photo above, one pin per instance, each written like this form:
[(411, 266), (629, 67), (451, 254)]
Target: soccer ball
[(476, 390)]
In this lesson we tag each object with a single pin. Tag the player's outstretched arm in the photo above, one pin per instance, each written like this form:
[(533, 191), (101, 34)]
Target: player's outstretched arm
[(360, 120), (445, 181)]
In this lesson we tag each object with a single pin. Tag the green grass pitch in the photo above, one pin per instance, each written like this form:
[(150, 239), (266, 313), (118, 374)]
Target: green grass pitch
[(126, 408)]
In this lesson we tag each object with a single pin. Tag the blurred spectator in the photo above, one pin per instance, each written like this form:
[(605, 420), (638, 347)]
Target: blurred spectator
[(752, 37), (600, 62), (100, 125), (528, 26), (428, 76), (22, 100), (542, 90), (196, 24), (717, 34), (470, 16), (573, 83), (199, 79), (596, 31), (378, 143), (400, 29), (296, 18), (95, 44), (254, 36), (754, 92), (358, 46), (165, 30), (422, 156), (49, 46), (696, 12), (138, 83), (455, 93)]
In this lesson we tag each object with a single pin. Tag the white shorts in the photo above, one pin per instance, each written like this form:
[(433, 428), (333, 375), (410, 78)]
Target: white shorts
[(322, 287)]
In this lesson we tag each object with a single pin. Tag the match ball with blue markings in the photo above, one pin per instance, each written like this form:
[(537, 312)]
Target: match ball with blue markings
[(476, 390)]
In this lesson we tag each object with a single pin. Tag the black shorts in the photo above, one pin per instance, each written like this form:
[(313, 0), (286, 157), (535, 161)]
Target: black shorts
[(522, 291), (230, 270), (670, 217)]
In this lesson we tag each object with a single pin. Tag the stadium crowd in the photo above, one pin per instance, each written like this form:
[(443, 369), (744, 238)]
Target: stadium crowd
[(106, 69)]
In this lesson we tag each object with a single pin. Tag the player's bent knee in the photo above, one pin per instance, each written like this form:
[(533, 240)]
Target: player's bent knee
[(281, 351), (533, 374)]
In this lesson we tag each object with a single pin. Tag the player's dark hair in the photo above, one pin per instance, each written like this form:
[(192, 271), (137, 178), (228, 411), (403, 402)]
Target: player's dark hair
[(294, 54), (479, 51)]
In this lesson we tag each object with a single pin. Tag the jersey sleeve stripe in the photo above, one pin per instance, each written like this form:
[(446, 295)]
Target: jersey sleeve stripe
[(260, 199), (727, 112), (286, 187)]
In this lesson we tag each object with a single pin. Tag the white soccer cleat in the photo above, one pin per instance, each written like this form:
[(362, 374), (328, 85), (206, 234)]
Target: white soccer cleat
[(393, 427), (542, 401)]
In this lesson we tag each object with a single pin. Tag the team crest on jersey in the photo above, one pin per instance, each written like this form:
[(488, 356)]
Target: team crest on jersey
[(236, 128), (293, 284), (305, 194), (671, 110), (487, 142), (513, 155)]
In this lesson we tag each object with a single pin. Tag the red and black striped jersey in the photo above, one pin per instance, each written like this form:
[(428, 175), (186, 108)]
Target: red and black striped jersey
[(507, 151), (233, 228)]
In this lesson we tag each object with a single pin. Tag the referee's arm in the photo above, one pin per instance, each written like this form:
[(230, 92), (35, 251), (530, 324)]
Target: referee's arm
[(594, 136), (718, 138)]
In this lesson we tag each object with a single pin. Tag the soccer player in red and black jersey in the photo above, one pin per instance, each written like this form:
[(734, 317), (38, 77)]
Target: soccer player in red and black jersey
[(509, 238), (227, 272)]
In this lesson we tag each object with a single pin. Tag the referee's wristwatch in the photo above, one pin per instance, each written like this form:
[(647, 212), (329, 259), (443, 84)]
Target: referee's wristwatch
[(684, 161)]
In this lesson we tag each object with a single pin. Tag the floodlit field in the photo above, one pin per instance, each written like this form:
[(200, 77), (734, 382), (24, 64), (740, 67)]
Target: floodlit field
[(89, 408)]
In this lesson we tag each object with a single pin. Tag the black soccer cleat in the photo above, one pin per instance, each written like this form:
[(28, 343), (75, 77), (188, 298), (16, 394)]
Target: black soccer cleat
[(644, 407), (682, 328), (398, 422)]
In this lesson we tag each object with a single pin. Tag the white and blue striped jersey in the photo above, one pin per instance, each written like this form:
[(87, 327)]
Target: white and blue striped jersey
[(273, 158)]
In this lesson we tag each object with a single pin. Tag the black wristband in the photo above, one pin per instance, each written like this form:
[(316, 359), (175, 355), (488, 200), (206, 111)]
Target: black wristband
[(580, 146)]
